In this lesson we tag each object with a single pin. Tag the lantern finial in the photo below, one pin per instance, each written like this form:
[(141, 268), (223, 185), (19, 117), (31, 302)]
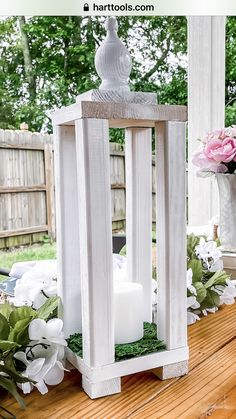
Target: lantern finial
[(111, 24), (112, 60)]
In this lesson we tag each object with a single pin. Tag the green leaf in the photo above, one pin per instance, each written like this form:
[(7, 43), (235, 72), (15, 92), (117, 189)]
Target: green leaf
[(212, 300), (18, 378), (219, 278), (10, 386), (21, 313), (196, 267), (4, 327), (192, 242), (19, 333), (201, 291), (48, 307), (6, 345), (6, 309)]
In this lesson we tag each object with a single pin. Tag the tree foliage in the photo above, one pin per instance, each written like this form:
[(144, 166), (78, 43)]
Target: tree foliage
[(230, 85), (46, 61)]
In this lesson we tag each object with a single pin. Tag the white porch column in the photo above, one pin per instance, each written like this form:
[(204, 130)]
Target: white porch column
[(206, 104)]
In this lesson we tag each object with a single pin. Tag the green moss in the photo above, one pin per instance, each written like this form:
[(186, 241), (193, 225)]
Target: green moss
[(147, 345)]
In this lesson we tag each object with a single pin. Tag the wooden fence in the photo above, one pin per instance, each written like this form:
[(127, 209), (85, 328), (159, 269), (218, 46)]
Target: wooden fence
[(27, 208)]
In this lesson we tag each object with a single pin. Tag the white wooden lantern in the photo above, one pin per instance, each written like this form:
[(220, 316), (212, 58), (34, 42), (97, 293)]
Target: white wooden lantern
[(84, 224)]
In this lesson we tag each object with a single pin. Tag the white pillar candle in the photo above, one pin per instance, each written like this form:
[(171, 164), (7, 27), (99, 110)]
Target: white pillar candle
[(128, 307)]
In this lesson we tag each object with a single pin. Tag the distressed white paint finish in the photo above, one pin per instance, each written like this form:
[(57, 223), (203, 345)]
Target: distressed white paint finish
[(128, 366), (101, 388), (171, 233), (118, 111), (67, 228), (206, 102), (112, 59), (93, 244), (172, 370), (95, 232), (138, 163), (118, 96)]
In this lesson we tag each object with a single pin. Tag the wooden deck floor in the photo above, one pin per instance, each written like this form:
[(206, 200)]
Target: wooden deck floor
[(209, 390)]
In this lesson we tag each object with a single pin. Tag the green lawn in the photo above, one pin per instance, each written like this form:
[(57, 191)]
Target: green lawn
[(35, 252)]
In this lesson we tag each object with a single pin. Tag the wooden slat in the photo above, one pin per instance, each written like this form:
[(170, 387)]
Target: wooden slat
[(208, 337), (69, 287), (171, 233), (224, 407), (193, 395), (50, 197), (94, 207), (21, 146), (26, 230), (204, 337), (119, 111), (205, 33), (19, 189)]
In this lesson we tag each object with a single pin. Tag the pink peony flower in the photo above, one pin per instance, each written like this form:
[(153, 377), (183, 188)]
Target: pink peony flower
[(218, 134), (201, 160), (221, 151)]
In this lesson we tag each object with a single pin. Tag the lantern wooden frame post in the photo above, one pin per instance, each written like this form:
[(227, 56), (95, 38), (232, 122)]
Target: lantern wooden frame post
[(89, 249)]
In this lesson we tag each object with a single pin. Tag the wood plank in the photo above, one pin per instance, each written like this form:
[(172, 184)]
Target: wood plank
[(50, 196), (133, 111), (205, 33), (19, 189), (129, 366), (69, 287), (94, 205), (138, 159), (26, 230), (21, 146), (119, 111), (67, 400), (225, 406), (204, 338), (194, 394), (171, 233)]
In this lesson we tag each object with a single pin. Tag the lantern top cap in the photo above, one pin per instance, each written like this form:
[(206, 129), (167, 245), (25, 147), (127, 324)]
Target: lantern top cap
[(113, 64), (111, 24)]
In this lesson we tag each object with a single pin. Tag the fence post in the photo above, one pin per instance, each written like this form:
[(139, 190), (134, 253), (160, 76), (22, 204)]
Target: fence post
[(50, 195)]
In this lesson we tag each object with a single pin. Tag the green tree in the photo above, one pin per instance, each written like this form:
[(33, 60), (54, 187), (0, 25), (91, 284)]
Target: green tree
[(46, 61), (230, 85)]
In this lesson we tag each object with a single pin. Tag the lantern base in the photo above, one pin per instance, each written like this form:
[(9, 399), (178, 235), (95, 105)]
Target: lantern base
[(172, 370), (101, 388)]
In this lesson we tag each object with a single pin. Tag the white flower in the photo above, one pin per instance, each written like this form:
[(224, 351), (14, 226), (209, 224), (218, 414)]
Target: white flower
[(50, 332), (41, 370), (209, 310), (217, 265), (228, 295), (190, 287), (31, 287), (207, 250), (192, 303), (192, 318), (154, 291)]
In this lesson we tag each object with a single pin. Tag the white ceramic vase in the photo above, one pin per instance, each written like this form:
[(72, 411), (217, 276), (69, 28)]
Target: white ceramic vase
[(227, 193)]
